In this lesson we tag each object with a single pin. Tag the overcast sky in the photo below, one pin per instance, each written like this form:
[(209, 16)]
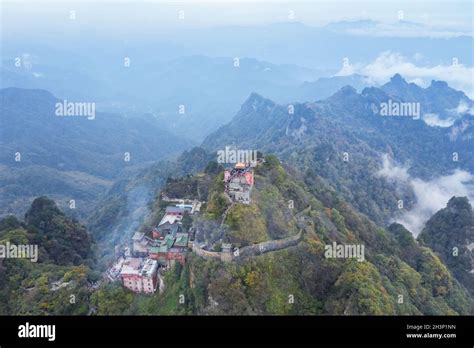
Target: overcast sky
[(150, 16)]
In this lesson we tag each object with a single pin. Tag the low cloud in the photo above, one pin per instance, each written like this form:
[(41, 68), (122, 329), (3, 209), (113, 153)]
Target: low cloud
[(390, 63), (435, 121), (462, 109), (431, 195), (393, 172)]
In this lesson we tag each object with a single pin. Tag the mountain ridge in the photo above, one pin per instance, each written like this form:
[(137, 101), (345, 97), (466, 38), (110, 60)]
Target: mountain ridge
[(318, 134), (32, 136)]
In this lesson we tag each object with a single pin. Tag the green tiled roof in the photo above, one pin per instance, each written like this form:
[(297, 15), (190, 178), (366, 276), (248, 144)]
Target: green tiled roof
[(161, 248), (154, 249), (169, 241), (181, 241)]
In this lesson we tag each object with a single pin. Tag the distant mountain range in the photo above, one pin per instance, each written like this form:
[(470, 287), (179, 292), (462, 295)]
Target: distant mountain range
[(323, 88), (399, 28), (313, 47), (159, 89), (70, 157), (197, 68)]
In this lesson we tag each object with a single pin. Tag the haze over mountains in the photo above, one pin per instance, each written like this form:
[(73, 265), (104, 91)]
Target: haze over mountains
[(157, 73), (159, 88), (70, 157), (389, 158), (366, 126), (314, 137), (318, 135)]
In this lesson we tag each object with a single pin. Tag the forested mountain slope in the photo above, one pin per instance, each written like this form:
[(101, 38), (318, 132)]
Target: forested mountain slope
[(397, 276)]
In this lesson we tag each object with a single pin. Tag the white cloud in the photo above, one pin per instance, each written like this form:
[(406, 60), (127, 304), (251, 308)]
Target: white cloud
[(431, 195), (346, 71), (435, 121), (389, 63), (393, 172), (463, 109)]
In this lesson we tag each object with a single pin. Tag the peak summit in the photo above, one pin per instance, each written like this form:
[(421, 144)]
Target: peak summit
[(459, 203), (397, 79), (254, 96), (348, 90), (438, 84), (256, 101), (345, 92)]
